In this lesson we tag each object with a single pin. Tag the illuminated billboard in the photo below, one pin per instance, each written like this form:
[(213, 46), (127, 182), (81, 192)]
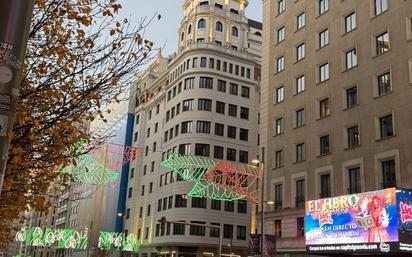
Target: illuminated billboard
[(378, 221)]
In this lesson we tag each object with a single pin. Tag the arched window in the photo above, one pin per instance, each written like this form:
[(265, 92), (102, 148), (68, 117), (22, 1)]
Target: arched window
[(182, 36), (219, 26), (201, 24), (189, 29), (235, 32)]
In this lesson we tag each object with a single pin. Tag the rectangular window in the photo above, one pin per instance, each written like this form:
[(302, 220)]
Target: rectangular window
[(189, 83), (220, 107), (170, 202), (243, 156), (245, 91), (324, 108), (194, 63), (354, 180), (204, 105), (300, 152), (324, 145), (142, 192), (388, 174), (280, 94), (279, 159), (218, 152), (186, 127), (229, 206), (241, 233), (131, 172), (130, 193), (150, 187), (211, 63), (197, 230), (300, 84), (278, 228), (180, 201), (159, 205), (224, 66), (384, 83), (243, 134), (199, 202), (203, 127), (231, 154), (300, 52), (179, 229), (351, 97), (281, 6), (280, 64), (278, 197), (325, 190), (216, 204), (187, 105), (300, 193), (244, 113), (380, 6), (140, 212), (184, 149), (353, 136), (206, 82), (281, 34), (300, 226), (323, 38), (214, 231), (219, 129), (233, 88), (148, 210), (202, 150), (386, 126), (382, 43), (127, 213), (242, 206), (350, 22), (324, 72), (231, 132), (221, 86), (323, 6), (300, 117), (279, 126), (230, 68), (227, 231), (351, 59), (300, 21), (232, 110)]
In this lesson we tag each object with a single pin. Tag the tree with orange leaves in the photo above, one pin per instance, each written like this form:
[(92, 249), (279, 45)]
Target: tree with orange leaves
[(80, 57)]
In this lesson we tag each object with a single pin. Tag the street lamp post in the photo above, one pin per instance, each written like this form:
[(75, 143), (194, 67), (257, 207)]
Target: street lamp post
[(15, 20)]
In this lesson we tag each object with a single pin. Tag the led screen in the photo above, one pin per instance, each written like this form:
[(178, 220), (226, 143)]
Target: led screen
[(358, 222)]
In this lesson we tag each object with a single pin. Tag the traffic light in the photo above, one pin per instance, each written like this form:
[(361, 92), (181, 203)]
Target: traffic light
[(162, 222)]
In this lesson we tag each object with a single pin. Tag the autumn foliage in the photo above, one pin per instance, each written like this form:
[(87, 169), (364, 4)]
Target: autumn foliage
[(80, 56)]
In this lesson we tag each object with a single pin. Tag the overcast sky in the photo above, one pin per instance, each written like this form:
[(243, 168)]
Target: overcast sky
[(163, 32)]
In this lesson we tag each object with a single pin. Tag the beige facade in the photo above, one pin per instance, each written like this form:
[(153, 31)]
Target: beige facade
[(200, 101), (335, 106)]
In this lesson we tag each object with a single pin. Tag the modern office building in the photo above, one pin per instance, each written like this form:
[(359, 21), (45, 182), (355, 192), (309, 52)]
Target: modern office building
[(201, 101), (335, 107)]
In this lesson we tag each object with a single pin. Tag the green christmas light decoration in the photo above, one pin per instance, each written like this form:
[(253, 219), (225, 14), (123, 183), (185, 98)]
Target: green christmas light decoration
[(52, 237), (216, 180), (98, 164), (88, 171), (121, 241)]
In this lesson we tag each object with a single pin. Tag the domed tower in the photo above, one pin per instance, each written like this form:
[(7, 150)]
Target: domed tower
[(219, 22), (201, 101)]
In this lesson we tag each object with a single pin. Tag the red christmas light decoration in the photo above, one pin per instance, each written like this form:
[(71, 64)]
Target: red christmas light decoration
[(239, 179)]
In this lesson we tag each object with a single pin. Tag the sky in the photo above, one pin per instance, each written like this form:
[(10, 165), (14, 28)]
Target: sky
[(163, 31)]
